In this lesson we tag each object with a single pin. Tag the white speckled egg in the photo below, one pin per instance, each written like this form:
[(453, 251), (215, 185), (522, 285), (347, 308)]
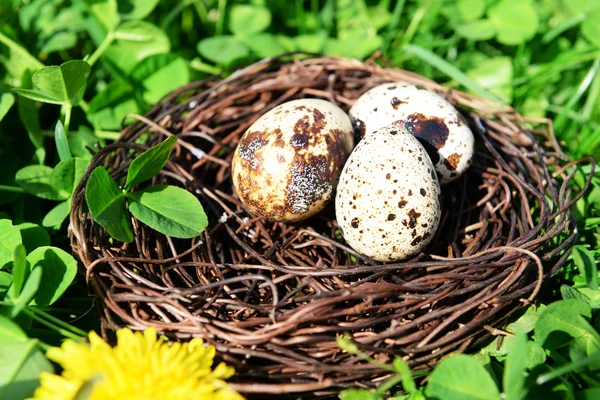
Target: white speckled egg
[(388, 197), (287, 164), (440, 128)]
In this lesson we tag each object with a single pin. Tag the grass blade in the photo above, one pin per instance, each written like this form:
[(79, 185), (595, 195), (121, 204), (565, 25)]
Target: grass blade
[(445, 67)]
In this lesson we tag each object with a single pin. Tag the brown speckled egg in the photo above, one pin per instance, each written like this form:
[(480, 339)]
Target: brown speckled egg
[(440, 128), (287, 164), (388, 197)]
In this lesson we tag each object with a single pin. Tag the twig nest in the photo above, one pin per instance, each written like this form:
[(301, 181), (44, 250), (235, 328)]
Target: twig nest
[(272, 297), (432, 119), (388, 198), (287, 164)]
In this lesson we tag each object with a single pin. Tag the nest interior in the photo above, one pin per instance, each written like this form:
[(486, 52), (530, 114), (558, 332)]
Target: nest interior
[(272, 297)]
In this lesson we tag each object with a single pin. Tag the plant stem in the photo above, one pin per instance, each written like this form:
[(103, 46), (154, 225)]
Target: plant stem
[(101, 49), (58, 321), (14, 189), (221, 20), (203, 67), (21, 50), (84, 106), (568, 368), (414, 24), (108, 135), (67, 122), (66, 333), (387, 385)]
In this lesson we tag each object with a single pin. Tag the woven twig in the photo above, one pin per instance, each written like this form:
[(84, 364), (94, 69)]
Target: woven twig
[(273, 297)]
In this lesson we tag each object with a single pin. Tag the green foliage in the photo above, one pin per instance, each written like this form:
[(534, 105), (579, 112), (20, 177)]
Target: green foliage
[(107, 205), (58, 85), (168, 209), (73, 70), (21, 362), (150, 163)]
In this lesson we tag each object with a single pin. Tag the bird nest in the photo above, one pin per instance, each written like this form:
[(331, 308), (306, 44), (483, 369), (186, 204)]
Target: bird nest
[(272, 297)]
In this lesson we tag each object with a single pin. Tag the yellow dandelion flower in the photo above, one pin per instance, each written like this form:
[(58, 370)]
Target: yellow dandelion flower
[(138, 367)]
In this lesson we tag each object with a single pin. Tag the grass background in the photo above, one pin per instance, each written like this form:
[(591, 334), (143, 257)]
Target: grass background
[(540, 56)]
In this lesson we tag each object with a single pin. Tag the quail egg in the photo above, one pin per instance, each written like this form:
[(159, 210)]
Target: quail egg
[(287, 164), (388, 197), (440, 128)]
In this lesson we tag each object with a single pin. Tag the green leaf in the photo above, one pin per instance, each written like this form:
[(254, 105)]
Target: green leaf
[(379, 16), (470, 10), (495, 74), (5, 283), (535, 107), (29, 115), (111, 105), (36, 180), (568, 292), (222, 50), (62, 144), (584, 260), (38, 95), (6, 102), (60, 41), (160, 74), (461, 378), (526, 322), (513, 380), (21, 362), (311, 43), (10, 238), (10, 333), (264, 44), (29, 290), (170, 210), (561, 322), (105, 12), (33, 235), (353, 44), (515, 21), (19, 272), (245, 19), (58, 271), (18, 62), (149, 163), (134, 41), (477, 30), (136, 9), (107, 205), (590, 28), (57, 215), (358, 394), (60, 83), (536, 355), (67, 174)]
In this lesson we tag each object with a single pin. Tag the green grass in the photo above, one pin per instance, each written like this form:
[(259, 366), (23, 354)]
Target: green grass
[(540, 56)]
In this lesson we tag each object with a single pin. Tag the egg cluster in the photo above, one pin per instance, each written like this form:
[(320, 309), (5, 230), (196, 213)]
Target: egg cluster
[(292, 161)]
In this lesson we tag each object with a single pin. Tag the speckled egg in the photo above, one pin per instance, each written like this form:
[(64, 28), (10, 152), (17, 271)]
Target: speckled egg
[(388, 197), (287, 164), (440, 128)]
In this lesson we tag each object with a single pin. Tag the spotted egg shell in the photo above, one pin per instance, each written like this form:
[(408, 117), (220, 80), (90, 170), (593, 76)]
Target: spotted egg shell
[(287, 164), (388, 197), (440, 128)]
